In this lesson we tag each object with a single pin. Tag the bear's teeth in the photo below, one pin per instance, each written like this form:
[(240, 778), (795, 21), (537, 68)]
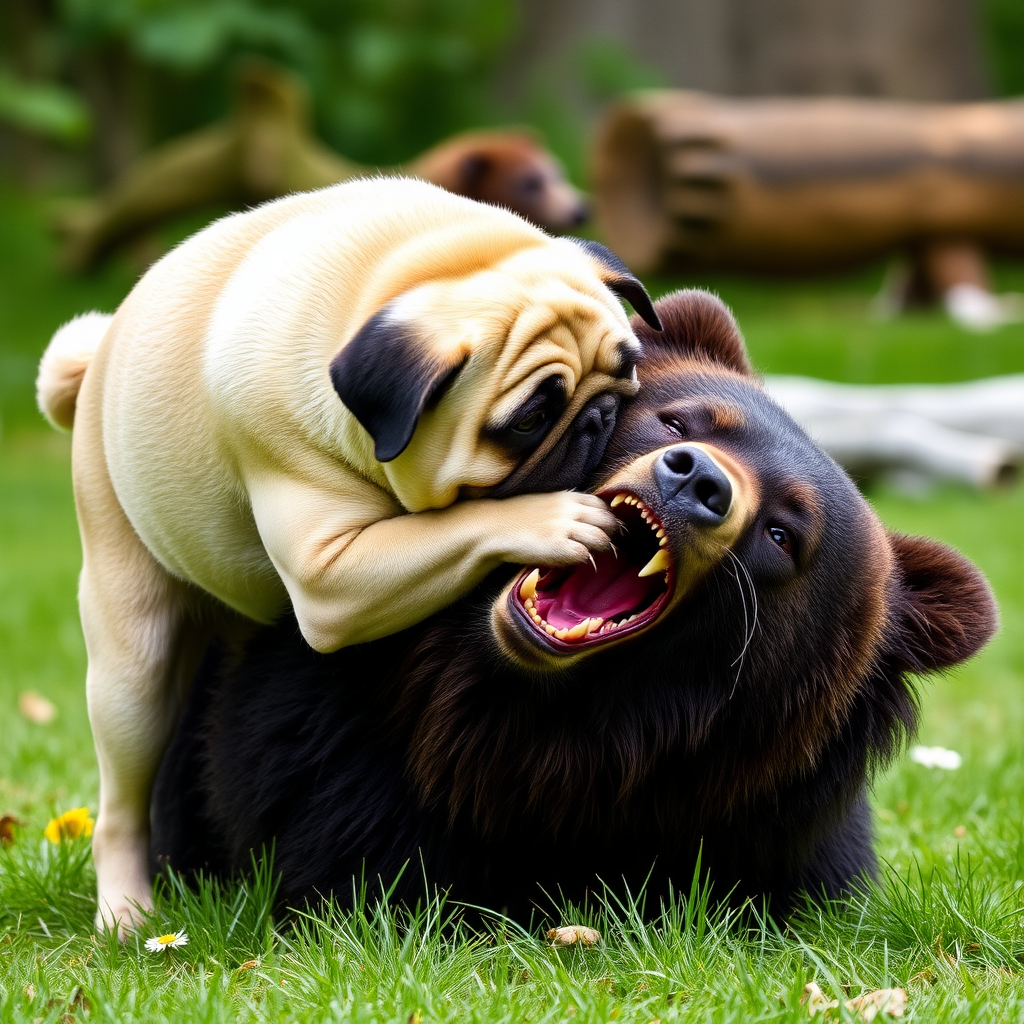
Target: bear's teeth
[(658, 563), (528, 588), (618, 500), (578, 632)]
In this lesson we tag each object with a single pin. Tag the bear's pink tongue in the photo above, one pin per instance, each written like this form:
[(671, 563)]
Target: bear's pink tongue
[(612, 591)]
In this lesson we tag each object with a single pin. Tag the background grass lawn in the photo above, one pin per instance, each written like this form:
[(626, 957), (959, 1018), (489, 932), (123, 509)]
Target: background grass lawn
[(948, 922)]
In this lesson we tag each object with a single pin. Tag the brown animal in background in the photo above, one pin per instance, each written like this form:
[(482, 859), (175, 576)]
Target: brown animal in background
[(266, 148), (505, 168), (804, 184)]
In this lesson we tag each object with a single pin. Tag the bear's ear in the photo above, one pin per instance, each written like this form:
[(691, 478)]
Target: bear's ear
[(944, 611), (387, 376), (620, 280), (697, 323)]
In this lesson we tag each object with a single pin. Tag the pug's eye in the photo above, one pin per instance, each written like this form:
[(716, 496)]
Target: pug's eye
[(531, 422), (675, 424), (783, 538)]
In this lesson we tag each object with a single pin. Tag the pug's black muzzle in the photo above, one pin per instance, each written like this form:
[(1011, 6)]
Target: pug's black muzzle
[(571, 462)]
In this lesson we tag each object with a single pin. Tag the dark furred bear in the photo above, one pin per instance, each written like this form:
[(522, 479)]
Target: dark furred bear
[(723, 687)]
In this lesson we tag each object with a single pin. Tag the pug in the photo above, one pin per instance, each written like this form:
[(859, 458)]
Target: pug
[(286, 411)]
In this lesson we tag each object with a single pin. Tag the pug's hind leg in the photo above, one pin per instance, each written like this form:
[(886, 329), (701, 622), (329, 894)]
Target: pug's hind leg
[(141, 660)]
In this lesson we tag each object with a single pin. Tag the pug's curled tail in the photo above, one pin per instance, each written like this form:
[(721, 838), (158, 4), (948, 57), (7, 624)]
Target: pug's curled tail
[(63, 366)]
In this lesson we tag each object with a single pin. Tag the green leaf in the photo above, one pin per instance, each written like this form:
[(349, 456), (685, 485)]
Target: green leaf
[(43, 108)]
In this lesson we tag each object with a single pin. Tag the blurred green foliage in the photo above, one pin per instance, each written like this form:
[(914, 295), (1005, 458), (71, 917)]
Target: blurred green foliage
[(608, 69), (387, 77), (44, 108), (1004, 24)]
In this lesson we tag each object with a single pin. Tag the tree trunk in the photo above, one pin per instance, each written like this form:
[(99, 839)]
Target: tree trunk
[(905, 49), (909, 49), (113, 84)]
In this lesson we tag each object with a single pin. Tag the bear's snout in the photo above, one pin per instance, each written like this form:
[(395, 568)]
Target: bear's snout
[(694, 485)]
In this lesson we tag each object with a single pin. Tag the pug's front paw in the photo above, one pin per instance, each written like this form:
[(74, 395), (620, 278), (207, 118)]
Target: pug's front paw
[(561, 528)]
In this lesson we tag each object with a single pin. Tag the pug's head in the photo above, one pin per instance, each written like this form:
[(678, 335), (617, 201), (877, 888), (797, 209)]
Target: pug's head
[(471, 382)]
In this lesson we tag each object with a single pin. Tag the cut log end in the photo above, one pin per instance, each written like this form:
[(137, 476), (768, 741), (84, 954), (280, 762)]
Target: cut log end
[(629, 189)]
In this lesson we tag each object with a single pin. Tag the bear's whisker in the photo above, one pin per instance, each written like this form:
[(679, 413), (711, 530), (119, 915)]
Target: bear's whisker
[(749, 623)]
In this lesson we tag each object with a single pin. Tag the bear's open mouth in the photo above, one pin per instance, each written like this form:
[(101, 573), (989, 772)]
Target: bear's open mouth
[(622, 592)]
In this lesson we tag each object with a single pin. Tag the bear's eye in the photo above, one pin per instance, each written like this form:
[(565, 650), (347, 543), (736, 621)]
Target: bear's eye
[(781, 536), (675, 424), (532, 184), (531, 422)]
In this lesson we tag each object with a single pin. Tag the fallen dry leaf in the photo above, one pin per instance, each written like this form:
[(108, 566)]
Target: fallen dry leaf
[(78, 1001), (7, 826), (815, 1000), (247, 966), (892, 1001), (36, 708), (571, 934)]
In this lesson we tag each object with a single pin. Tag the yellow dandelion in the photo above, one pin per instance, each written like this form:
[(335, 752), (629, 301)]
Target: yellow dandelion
[(70, 825), (172, 940)]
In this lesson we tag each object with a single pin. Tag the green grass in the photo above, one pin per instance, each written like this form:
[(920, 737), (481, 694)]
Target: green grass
[(947, 922)]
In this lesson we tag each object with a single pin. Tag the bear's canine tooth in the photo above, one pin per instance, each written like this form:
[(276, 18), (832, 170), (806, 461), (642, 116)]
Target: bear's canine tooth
[(579, 631), (658, 563), (528, 588), (618, 500)]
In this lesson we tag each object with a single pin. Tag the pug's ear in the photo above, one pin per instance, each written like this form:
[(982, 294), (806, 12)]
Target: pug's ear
[(386, 377), (698, 324), (943, 611), (618, 277)]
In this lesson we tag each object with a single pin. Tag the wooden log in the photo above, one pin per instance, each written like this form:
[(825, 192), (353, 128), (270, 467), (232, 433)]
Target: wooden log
[(971, 432), (684, 179)]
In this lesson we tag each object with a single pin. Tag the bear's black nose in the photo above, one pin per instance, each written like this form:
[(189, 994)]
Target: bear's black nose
[(580, 215), (690, 480)]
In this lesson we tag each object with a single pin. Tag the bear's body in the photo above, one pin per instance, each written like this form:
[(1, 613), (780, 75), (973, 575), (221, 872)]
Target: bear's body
[(738, 728)]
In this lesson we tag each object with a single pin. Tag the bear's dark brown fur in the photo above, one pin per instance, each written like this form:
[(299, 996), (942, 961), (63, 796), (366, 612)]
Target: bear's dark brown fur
[(739, 724)]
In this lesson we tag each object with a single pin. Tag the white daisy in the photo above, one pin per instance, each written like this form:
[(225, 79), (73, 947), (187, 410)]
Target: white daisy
[(936, 757), (169, 941)]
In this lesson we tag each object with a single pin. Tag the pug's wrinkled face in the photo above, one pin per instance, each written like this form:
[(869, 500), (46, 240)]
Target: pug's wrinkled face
[(467, 384)]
